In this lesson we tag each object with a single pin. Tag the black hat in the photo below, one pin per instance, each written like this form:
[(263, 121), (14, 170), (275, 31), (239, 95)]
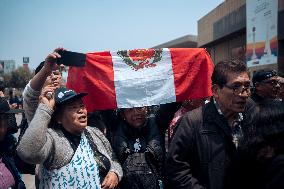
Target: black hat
[(262, 75), (63, 95), (5, 108)]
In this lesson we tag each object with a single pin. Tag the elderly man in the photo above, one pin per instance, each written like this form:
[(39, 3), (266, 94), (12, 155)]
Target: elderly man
[(203, 148), (265, 86)]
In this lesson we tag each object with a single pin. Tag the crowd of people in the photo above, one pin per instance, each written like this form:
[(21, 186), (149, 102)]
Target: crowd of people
[(233, 139)]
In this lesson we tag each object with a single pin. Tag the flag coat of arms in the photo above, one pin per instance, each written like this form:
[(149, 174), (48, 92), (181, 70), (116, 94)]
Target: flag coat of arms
[(142, 77)]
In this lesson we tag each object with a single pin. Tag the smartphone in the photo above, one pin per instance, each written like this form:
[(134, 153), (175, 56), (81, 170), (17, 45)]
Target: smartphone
[(69, 58)]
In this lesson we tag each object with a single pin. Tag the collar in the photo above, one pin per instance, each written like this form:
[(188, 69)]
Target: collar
[(236, 127), (240, 116), (74, 140)]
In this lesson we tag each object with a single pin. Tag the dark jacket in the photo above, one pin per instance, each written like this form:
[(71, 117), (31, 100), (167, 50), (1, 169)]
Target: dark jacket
[(274, 175), (260, 100), (7, 153), (202, 153), (141, 159)]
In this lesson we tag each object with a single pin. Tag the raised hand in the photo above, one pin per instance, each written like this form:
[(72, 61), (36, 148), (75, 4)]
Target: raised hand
[(50, 60), (47, 96)]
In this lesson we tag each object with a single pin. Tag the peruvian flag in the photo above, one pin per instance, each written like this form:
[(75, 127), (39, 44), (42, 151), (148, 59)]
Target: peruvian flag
[(141, 77)]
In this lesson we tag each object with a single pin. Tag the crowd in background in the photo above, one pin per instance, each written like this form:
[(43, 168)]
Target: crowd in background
[(233, 139)]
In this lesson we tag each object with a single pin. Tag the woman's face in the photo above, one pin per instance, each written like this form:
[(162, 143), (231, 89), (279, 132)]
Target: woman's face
[(135, 117), (73, 117), (3, 127), (54, 79)]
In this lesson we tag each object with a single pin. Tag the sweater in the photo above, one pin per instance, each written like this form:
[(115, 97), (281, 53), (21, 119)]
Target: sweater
[(50, 148)]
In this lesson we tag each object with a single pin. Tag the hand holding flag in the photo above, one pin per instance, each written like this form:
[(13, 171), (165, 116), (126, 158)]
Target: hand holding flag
[(141, 77)]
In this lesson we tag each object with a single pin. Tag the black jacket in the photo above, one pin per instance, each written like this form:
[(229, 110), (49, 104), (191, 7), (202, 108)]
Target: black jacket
[(274, 174), (141, 159), (202, 153)]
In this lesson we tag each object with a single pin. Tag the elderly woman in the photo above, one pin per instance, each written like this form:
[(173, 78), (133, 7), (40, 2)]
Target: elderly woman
[(70, 153), (9, 174), (139, 147)]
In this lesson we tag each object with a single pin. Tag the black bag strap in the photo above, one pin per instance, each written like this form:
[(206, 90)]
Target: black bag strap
[(23, 127), (152, 167)]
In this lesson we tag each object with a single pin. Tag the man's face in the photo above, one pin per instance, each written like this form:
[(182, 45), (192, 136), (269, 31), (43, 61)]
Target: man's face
[(268, 88), (232, 97), (54, 79)]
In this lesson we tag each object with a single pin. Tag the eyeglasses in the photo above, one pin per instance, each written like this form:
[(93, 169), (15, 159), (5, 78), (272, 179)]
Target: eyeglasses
[(137, 109), (239, 89)]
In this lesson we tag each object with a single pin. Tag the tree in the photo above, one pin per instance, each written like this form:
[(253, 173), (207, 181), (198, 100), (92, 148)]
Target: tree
[(18, 78)]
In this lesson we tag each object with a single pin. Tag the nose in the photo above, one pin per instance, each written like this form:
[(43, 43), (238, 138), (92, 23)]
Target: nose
[(81, 110), (245, 92)]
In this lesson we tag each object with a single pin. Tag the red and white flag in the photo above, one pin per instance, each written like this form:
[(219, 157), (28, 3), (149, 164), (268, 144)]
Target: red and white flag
[(142, 77)]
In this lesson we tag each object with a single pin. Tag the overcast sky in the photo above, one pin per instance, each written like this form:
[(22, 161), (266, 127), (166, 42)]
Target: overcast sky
[(33, 28)]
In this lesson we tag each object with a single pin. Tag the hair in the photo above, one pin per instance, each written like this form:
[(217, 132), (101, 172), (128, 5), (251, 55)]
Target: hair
[(2, 86), (95, 120), (223, 68), (268, 129), (58, 111), (11, 123), (270, 120)]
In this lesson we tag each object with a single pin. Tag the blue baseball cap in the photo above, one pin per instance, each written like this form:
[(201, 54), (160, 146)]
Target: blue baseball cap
[(64, 95)]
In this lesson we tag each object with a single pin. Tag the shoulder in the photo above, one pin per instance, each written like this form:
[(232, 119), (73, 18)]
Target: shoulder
[(29, 91), (194, 116), (95, 131), (191, 121), (62, 151), (98, 137)]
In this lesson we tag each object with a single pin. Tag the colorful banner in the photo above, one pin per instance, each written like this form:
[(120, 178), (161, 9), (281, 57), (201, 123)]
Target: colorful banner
[(262, 47)]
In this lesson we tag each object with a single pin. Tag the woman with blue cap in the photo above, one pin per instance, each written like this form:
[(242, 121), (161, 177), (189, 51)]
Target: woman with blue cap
[(70, 153)]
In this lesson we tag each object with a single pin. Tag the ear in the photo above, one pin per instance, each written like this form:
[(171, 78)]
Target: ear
[(216, 90), (58, 118), (122, 114)]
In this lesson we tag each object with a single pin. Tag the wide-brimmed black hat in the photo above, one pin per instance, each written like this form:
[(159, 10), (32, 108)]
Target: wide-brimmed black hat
[(9, 115), (5, 108), (64, 95)]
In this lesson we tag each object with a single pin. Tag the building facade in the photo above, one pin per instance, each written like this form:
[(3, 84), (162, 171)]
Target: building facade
[(187, 41), (223, 33), (7, 66)]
